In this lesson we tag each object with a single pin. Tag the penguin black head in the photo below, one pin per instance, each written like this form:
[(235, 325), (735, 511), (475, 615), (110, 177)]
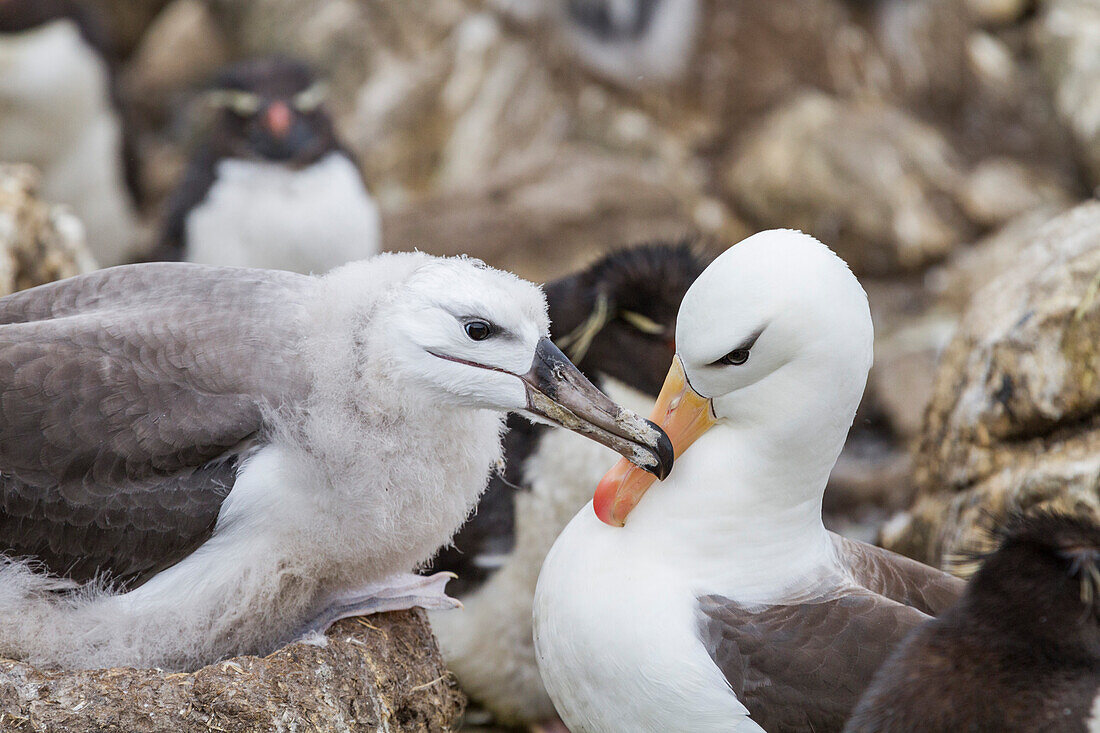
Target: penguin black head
[(618, 316), (1043, 582), (270, 109)]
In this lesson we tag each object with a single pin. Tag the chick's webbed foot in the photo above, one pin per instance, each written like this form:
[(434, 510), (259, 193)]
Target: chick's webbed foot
[(396, 593)]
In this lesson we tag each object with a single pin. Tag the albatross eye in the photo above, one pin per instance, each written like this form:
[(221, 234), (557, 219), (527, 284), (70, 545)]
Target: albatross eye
[(737, 357), (479, 330)]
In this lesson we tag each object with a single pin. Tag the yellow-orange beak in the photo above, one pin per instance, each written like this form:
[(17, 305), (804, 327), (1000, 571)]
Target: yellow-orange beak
[(684, 415)]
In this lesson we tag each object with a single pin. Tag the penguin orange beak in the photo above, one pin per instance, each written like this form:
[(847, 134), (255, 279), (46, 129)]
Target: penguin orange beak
[(278, 118), (684, 415)]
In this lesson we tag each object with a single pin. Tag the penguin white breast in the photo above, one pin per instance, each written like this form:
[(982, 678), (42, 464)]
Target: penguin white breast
[(52, 84), (263, 214), (56, 113)]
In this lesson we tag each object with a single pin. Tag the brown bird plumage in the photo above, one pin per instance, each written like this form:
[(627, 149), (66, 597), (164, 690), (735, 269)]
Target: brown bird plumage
[(803, 666), (1020, 651)]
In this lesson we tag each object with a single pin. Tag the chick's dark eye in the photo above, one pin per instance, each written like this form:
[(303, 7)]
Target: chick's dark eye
[(478, 330), (737, 357)]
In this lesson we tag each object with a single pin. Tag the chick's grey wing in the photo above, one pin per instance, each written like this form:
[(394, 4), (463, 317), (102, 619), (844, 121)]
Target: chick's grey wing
[(803, 667), (899, 578), (126, 398)]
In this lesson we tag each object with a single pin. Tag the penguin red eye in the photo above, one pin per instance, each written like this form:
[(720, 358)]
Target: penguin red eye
[(479, 330)]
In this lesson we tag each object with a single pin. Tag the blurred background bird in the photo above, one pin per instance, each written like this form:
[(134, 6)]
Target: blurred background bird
[(270, 185), (59, 111), (1026, 634)]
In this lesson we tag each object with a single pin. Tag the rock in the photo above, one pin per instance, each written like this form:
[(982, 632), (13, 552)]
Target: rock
[(1068, 40), (1014, 420), (380, 673), (546, 220), (183, 47), (905, 364), (874, 183), (126, 20), (1000, 189), (39, 243), (872, 478), (924, 46), (971, 268), (998, 12)]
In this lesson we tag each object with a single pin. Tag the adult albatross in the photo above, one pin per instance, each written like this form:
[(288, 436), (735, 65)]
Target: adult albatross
[(228, 458), (722, 603)]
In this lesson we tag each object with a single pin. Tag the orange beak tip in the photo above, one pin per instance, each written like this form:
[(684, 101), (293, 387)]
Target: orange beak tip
[(603, 503), (683, 415)]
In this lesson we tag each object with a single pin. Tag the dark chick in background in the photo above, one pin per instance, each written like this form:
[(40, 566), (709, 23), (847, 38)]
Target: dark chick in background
[(616, 319), (270, 185), (1020, 651), (58, 112)]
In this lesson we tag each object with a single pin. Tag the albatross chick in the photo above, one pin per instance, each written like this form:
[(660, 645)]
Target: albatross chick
[(198, 461)]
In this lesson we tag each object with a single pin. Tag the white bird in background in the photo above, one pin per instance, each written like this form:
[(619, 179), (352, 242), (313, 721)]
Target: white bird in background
[(634, 42), (724, 604), (58, 113), (249, 455), (270, 185)]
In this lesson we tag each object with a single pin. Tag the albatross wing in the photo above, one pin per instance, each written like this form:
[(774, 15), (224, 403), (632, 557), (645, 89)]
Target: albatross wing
[(803, 666), (898, 577), (127, 397)]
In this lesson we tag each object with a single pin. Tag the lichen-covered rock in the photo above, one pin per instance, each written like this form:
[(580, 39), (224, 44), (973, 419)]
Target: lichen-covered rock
[(543, 220), (1069, 46), (39, 243), (873, 182), (383, 673), (1014, 420)]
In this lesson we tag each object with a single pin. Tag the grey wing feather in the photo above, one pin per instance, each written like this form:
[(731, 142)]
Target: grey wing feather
[(898, 577), (126, 396), (803, 667)]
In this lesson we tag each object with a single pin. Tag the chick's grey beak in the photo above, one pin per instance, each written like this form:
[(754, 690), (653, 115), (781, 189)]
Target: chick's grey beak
[(557, 391)]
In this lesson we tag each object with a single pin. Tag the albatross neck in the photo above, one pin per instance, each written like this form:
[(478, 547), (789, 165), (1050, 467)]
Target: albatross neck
[(743, 504)]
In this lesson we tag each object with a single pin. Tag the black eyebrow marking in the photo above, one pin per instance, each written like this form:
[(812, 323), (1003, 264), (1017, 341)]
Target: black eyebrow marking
[(744, 345), (751, 340)]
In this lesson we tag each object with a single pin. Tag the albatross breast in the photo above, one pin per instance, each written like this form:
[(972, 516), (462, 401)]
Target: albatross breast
[(626, 647)]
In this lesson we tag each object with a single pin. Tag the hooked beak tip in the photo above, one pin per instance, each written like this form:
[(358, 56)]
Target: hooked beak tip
[(664, 453)]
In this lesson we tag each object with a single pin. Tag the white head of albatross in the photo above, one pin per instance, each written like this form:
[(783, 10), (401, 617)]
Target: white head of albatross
[(774, 342), (480, 338), (690, 604), (249, 455)]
